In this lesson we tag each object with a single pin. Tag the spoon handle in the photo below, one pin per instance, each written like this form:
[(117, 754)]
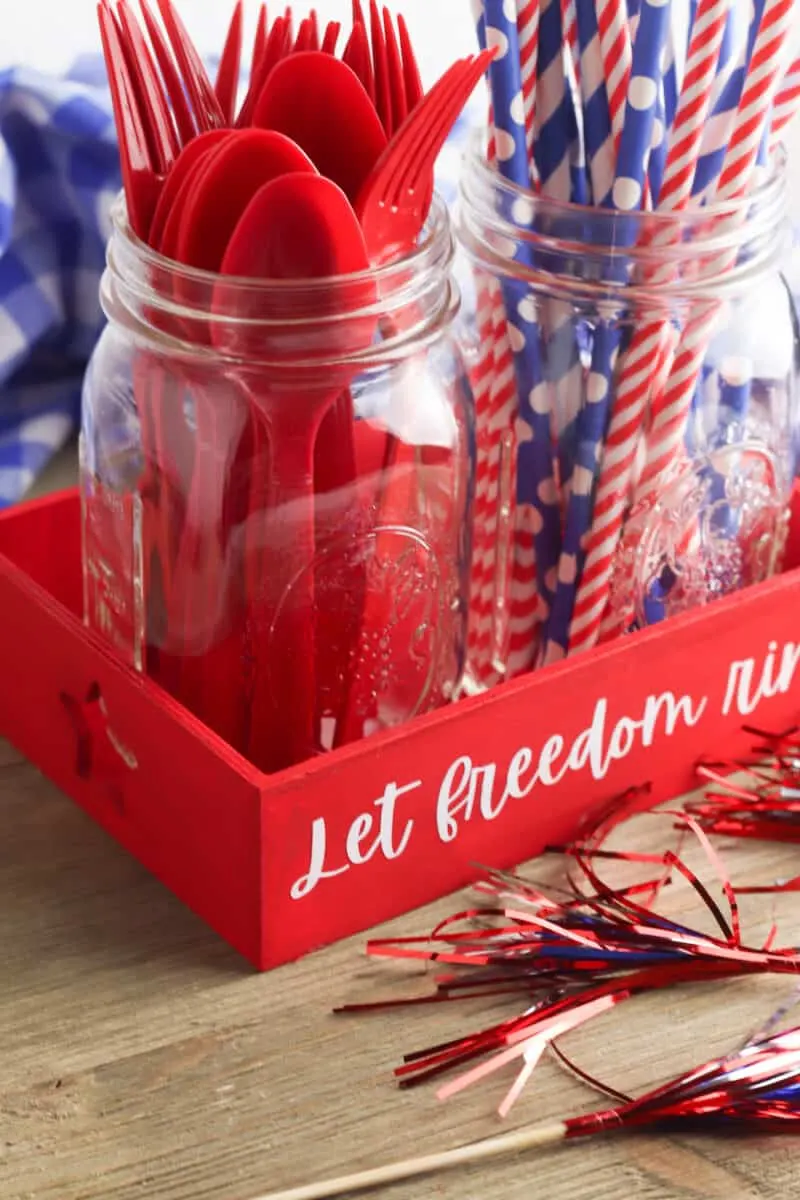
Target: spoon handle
[(280, 549)]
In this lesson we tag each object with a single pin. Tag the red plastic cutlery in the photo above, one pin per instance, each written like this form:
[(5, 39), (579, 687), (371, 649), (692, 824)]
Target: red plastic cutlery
[(309, 95), (227, 81), (298, 227)]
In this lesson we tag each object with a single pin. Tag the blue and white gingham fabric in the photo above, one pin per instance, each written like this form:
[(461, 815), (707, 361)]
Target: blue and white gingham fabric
[(59, 173)]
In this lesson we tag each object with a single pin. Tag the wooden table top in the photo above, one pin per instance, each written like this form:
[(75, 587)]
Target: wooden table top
[(141, 1057)]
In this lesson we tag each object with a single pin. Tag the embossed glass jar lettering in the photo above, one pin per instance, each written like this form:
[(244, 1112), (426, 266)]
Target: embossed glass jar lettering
[(636, 384), (276, 484)]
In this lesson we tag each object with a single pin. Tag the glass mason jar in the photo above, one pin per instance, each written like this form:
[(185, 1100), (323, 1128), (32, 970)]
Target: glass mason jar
[(277, 485), (636, 393)]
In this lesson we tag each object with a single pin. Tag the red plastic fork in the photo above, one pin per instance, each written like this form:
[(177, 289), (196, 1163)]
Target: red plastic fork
[(169, 73), (393, 203), (278, 44), (260, 39), (205, 106), (227, 80), (139, 175), (411, 76), (392, 207), (395, 83)]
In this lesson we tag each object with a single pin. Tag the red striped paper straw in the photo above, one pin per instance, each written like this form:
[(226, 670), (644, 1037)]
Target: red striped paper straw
[(528, 31), (617, 55), (523, 599), (786, 103), (671, 407), (638, 366)]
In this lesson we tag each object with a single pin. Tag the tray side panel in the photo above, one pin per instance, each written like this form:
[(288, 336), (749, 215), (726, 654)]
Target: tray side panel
[(156, 780), (398, 821)]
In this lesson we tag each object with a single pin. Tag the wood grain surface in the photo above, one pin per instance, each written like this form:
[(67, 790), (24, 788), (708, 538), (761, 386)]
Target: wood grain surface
[(140, 1057)]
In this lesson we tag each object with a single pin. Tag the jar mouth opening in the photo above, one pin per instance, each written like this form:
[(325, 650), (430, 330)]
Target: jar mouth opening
[(432, 251), (387, 312), (479, 167), (588, 255)]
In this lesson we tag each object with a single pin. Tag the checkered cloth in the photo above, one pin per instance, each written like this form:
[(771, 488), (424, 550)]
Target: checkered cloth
[(59, 173)]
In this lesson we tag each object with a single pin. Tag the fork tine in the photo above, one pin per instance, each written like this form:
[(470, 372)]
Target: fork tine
[(153, 105), (313, 20), (403, 144), (275, 48), (358, 14), (415, 168), (413, 81), (394, 63), (169, 73), (331, 37), (227, 79), (356, 56), (207, 111), (383, 94), (260, 38)]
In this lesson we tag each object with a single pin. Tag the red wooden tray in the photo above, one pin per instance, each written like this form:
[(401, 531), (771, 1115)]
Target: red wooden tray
[(281, 865)]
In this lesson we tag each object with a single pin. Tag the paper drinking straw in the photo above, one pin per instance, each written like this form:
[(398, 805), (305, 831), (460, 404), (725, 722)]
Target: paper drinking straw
[(635, 382), (598, 139), (528, 37), (557, 127), (562, 169), (628, 193), (480, 607), (719, 129), (505, 84), (496, 418), (735, 383), (523, 596), (658, 146), (786, 103), (671, 407), (535, 479), (569, 25), (616, 53)]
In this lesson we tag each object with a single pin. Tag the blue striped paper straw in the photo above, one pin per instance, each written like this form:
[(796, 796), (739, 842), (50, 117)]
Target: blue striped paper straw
[(627, 195), (599, 144), (563, 178), (535, 478), (558, 129)]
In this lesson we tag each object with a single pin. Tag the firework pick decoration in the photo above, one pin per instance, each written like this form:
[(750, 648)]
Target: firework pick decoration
[(753, 1090), (568, 957)]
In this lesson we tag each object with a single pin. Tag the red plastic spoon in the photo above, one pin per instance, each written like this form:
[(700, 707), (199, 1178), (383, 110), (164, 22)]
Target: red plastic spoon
[(313, 97), (299, 227), (194, 152), (217, 197), (247, 159)]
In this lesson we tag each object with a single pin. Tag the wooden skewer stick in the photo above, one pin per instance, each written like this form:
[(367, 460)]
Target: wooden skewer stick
[(526, 1138)]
